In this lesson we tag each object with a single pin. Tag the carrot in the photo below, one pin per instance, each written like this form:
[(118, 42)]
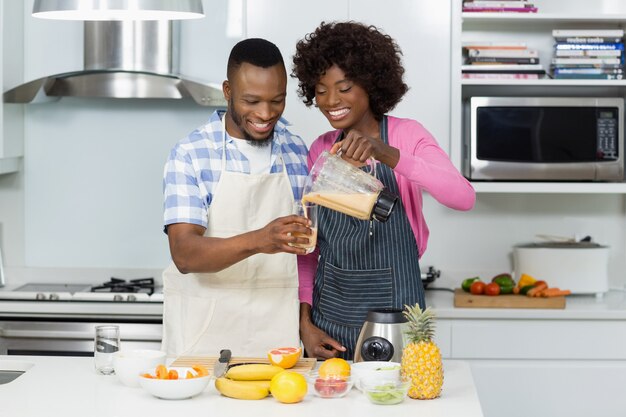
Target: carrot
[(161, 372), (554, 292), (516, 290), (533, 292)]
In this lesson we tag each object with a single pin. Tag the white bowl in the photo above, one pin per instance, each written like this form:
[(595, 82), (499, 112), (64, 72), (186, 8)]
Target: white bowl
[(175, 389), (374, 371), (128, 364)]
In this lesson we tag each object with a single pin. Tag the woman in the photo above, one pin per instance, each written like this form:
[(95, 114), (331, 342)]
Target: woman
[(353, 74)]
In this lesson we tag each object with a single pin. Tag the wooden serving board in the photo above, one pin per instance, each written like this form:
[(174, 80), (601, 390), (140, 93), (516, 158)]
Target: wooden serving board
[(466, 300), (303, 366)]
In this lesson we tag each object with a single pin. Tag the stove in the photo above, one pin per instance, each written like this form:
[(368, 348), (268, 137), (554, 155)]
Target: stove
[(114, 290)]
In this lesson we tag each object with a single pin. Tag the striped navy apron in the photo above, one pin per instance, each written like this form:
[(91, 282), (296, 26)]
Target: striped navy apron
[(364, 266)]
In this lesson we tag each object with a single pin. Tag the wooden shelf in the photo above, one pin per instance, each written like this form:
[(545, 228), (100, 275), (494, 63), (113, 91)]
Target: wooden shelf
[(544, 82), (475, 17)]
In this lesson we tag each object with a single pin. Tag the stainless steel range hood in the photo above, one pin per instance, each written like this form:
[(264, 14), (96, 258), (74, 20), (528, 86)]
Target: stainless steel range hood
[(123, 59)]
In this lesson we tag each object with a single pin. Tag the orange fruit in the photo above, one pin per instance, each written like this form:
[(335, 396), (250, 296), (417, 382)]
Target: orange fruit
[(334, 367), (288, 387), (285, 357)]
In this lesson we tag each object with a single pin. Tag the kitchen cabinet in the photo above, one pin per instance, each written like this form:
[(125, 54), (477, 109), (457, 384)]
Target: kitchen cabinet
[(544, 368), (535, 29), (11, 68), (542, 363)]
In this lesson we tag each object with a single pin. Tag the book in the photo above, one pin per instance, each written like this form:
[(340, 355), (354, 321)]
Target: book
[(589, 39), (490, 4), (586, 61), (589, 53), (505, 53), (501, 9), (501, 60), (587, 71), (589, 46), (495, 45), (500, 76), (581, 66), (588, 76), (502, 67), (570, 33)]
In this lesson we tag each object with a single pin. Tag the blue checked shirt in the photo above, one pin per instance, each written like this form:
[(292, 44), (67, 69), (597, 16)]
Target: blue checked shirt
[(194, 165)]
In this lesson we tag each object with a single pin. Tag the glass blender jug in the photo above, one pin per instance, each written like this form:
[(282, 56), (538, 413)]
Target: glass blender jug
[(336, 184)]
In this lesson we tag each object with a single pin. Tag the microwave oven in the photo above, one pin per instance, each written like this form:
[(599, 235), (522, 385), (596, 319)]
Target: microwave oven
[(544, 139)]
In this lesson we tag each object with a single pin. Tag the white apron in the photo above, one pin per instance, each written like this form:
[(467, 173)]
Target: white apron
[(251, 306)]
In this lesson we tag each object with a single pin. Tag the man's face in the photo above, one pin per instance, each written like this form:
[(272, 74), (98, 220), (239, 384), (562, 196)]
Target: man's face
[(256, 100)]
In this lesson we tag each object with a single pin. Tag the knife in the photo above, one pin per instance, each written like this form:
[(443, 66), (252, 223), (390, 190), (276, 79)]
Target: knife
[(220, 367)]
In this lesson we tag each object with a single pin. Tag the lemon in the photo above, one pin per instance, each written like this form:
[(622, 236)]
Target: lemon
[(288, 387)]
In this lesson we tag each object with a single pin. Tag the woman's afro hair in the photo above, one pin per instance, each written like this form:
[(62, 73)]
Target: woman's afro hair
[(367, 56)]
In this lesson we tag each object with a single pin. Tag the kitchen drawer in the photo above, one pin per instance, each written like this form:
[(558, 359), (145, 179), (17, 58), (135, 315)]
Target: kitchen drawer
[(538, 339)]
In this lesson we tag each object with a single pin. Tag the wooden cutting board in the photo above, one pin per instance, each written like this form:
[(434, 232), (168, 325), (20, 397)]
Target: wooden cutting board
[(303, 366), (466, 300)]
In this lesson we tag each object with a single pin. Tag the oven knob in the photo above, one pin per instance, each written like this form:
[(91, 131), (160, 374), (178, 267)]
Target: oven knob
[(131, 298), (40, 296), (54, 296), (118, 297)]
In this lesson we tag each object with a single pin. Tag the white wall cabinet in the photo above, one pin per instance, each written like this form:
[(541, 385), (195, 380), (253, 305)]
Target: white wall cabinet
[(11, 68), (535, 29), (542, 368)]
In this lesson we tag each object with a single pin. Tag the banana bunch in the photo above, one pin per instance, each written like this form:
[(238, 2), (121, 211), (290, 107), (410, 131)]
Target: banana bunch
[(247, 382)]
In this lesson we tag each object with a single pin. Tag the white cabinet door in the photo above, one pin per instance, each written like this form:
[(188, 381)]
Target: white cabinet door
[(11, 69), (422, 30), (206, 43), (550, 388)]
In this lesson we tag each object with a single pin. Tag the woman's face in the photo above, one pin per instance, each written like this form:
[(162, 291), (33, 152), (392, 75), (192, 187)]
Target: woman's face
[(344, 103)]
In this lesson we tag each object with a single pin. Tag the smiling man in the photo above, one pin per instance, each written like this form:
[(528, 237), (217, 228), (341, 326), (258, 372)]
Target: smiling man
[(229, 190)]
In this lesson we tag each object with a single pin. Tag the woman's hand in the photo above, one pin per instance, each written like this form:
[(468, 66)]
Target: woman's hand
[(357, 148), (317, 343)]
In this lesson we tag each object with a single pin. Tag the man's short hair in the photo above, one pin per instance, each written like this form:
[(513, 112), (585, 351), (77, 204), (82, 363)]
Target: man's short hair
[(258, 52)]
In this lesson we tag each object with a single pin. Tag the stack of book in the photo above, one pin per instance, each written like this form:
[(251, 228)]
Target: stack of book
[(506, 6), (500, 60), (588, 54)]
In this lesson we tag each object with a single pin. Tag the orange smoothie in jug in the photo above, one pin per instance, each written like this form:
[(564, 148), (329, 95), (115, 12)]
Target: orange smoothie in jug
[(357, 205)]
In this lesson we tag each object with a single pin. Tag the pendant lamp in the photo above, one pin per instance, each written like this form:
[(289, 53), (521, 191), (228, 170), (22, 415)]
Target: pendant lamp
[(118, 9)]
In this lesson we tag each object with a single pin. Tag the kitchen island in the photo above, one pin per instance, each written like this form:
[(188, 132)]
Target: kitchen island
[(56, 386)]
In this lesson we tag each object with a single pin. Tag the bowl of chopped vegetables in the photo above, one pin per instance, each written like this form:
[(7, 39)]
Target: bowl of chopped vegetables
[(385, 392), (175, 383)]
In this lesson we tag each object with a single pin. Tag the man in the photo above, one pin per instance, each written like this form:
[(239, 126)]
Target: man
[(229, 190)]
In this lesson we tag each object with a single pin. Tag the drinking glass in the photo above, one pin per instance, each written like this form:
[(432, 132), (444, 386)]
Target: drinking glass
[(107, 342), (308, 210)]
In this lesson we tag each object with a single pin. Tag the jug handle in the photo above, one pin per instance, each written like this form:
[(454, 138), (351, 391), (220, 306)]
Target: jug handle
[(371, 163)]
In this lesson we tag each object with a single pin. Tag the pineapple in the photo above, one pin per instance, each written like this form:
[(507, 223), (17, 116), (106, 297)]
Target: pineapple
[(421, 358)]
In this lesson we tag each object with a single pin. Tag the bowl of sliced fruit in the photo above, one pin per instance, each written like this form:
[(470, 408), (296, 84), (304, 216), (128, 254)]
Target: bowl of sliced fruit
[(385, 392), (375, 370), (175, 383), (330, 386)]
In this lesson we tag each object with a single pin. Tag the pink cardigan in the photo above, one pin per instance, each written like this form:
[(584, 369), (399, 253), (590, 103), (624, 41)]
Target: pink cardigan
[(423, 166)]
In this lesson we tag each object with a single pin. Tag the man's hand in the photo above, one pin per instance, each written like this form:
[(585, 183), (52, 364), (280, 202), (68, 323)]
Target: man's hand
[(317, 343), (280, 233)]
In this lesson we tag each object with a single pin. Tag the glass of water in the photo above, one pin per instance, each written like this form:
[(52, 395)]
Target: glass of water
[(107, 342)]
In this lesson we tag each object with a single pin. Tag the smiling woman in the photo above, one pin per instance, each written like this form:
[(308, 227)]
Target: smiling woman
[(354, 74)]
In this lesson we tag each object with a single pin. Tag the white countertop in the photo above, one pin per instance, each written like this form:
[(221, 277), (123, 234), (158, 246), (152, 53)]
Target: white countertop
[(57, 386), (578, 307)]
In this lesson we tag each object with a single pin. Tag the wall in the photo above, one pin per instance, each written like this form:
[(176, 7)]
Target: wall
[(92, 180)]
